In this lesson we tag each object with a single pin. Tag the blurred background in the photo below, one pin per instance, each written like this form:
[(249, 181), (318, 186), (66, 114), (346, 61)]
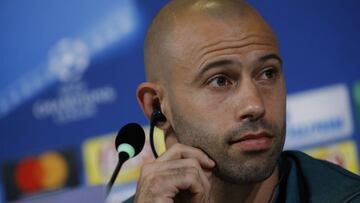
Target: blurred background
[(69, 71)]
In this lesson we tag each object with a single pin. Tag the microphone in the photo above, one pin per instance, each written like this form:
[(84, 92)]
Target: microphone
[(129, 142)]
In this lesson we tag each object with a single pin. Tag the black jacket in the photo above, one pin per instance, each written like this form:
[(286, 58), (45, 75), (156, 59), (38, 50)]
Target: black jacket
[(304, 179)]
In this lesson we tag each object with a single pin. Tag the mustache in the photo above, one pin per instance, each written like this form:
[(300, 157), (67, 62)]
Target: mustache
[(253, 126)]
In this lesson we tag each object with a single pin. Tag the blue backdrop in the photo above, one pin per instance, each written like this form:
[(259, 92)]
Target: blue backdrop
[(69, 69)]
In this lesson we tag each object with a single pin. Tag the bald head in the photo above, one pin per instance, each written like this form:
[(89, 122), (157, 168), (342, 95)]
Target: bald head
[(215, 71), (182, 23)]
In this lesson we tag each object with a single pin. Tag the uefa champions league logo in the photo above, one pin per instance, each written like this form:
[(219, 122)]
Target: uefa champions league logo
[(69, 59)]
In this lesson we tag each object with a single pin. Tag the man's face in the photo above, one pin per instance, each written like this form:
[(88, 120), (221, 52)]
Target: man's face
[(227, 94)]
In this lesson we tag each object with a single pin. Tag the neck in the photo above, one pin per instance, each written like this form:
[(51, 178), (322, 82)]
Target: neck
[(260, 192)]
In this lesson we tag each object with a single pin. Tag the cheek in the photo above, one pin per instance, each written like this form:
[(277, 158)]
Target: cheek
[(201, 110), (275, 105), (208, 105)]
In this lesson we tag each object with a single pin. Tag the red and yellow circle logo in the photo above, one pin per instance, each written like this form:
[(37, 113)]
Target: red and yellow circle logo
[(49, 171)]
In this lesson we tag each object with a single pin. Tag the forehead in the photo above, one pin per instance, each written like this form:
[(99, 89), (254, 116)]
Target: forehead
[(195, 35)]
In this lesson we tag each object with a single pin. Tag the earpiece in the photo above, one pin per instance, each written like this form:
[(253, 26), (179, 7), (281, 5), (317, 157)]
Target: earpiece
[(157, 115)]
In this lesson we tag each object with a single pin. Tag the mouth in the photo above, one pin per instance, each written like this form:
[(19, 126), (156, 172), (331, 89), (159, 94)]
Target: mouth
[(252, 142)]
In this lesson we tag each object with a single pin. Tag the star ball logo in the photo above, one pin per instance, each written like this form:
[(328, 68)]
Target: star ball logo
[(75, 101), (69, 59)]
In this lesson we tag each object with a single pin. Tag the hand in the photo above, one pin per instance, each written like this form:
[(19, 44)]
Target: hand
[(181, 170)]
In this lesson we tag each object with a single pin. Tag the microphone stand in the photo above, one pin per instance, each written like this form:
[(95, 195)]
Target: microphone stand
[(123, 156)]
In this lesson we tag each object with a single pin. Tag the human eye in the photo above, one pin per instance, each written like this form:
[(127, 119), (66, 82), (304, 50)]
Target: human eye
[(269, 73), (220, 81)]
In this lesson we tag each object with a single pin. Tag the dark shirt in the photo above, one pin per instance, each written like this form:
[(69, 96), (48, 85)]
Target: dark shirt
[(304, 179)]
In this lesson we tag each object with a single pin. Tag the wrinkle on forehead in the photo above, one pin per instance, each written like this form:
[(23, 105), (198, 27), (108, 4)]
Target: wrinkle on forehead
[(233, 45)]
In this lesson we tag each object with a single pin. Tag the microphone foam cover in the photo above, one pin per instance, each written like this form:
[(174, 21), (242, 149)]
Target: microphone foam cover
[(132, 134)]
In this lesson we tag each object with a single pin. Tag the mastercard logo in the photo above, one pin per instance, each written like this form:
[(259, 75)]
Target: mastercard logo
[(49, 171)]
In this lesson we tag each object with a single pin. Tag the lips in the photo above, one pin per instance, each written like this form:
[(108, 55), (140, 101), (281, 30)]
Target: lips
[(252, 142)]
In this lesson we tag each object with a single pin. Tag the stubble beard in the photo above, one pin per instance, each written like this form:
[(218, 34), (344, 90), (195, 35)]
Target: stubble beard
[(256, 166)]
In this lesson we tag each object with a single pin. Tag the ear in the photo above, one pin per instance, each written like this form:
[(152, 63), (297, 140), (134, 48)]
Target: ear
[(147, 94)]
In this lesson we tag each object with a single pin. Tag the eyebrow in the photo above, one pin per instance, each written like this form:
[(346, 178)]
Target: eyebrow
[(214, 64), (271, 56), (211, 65)]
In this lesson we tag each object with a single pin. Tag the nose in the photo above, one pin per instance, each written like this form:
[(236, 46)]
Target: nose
[(250, 103)]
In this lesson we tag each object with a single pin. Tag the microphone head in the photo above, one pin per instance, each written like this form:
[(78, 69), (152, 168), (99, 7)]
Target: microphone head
[(130, 137)]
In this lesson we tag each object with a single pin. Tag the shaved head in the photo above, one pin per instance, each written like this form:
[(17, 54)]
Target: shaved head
[(179, 19), (214, 68)]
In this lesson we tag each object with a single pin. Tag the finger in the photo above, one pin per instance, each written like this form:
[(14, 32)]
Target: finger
[(191, 162), (190, 179), (180, 151), (162, 181), (176, 164), (164, 185)]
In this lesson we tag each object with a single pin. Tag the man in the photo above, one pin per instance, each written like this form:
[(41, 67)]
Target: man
[(214, 69)]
